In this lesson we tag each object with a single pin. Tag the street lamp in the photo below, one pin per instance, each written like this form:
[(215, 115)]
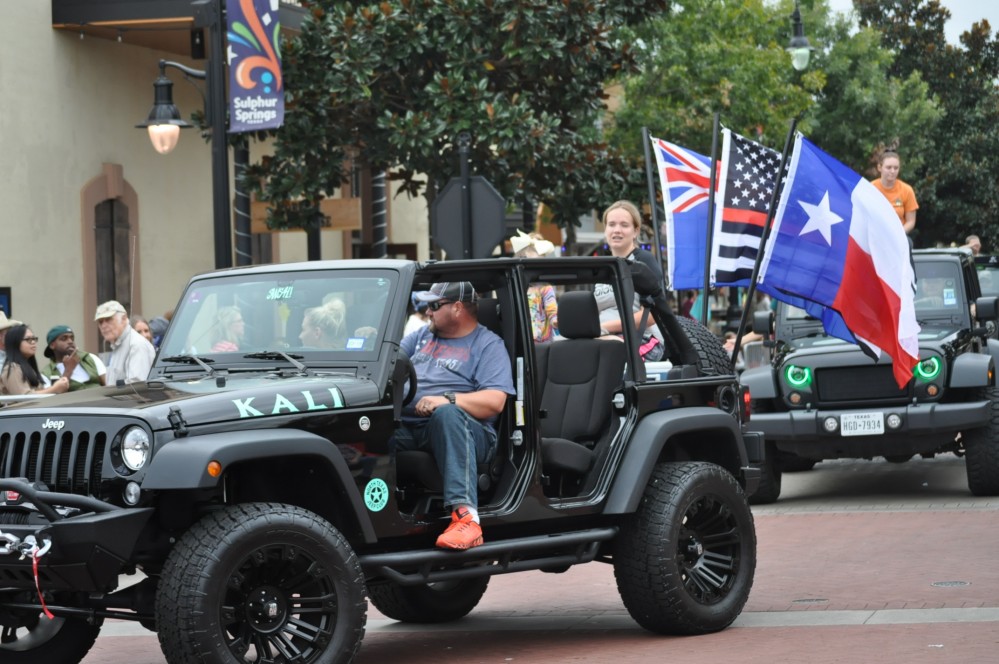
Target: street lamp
[(799, 47), (164, 122)]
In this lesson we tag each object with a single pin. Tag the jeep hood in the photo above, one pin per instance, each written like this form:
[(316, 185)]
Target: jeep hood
[(202, 402)]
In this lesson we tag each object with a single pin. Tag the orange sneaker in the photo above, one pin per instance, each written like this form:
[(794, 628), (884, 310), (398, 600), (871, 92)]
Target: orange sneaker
[(463, 533)]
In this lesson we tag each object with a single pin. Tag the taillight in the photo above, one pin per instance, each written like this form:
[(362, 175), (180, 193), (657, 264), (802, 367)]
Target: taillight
[(746, 399)]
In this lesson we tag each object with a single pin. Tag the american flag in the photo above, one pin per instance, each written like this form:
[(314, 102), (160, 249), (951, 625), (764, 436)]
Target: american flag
[(746, 188), (685, 177)]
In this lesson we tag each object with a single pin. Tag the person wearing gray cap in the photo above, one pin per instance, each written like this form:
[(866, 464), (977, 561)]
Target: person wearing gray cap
[(131, 354)]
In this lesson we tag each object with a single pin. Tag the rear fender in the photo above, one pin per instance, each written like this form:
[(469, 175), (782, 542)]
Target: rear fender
[(718, 437)]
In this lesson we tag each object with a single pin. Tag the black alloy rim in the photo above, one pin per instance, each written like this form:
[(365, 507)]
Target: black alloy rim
[(709, 549)]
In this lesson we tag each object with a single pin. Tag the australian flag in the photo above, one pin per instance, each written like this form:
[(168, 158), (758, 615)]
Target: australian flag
[(685, 177), (749, 175)]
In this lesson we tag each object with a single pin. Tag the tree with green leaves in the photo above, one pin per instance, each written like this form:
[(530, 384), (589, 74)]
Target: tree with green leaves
[(391, 85), (955, 175), (728, 56)]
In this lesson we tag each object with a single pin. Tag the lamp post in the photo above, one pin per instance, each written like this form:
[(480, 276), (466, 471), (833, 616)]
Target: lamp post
[(799, 48), (800, 51), (164, 123)]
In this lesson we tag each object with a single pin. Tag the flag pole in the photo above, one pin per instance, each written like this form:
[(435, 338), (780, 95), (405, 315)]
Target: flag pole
[(771, 212), (650, 177), (711, 220)]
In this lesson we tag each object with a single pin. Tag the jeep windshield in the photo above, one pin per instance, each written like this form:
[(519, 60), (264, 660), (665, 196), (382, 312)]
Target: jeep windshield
[(328, 317)]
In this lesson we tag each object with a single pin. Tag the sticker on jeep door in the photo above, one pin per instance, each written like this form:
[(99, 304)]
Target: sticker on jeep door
[(298, 402)]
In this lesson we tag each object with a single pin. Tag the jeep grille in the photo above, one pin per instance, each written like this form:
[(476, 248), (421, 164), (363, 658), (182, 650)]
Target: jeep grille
[(858, 383), (66, 461)]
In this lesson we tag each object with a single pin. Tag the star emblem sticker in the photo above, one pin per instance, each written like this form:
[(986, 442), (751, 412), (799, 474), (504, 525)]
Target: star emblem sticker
[(820, 218)]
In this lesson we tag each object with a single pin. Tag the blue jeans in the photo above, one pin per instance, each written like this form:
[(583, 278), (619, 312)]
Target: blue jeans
[(459, 442)]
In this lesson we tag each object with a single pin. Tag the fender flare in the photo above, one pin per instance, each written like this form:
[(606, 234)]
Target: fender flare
[(181, 464), (760, 381), (972, 370), (647, 443)]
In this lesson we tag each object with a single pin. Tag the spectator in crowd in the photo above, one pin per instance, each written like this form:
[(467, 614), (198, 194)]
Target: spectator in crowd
[(158, 327), (622, 224), (80, 368), (463, 379), (141, 325), (419, 317), (898, 193), (687, 305), (974, 243), (231, 329), (5, 324), (541, 300), (19, 374), (131, 354)]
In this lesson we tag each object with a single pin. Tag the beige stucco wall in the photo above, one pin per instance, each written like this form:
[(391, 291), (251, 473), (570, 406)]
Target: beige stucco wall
[(70, 105)]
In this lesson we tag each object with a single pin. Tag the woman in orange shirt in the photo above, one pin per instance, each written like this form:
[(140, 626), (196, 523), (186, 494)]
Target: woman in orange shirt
[(899, 194)]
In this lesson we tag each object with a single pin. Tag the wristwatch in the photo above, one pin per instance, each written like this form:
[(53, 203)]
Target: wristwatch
[(450, 396)]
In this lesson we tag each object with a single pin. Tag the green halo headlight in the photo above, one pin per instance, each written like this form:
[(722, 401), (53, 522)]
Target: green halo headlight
[(799, 377), (929, 368)]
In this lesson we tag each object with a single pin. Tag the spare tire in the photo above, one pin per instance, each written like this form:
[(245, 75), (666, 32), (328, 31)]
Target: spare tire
[(713, 359)]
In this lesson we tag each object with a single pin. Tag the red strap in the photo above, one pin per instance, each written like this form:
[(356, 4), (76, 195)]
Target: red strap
[(38, 587)]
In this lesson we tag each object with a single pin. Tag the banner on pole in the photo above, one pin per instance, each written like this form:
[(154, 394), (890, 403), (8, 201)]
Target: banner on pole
[(256, 90)]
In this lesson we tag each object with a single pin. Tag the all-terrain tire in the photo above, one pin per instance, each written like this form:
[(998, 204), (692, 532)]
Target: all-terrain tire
[(770, 478), (713, 358), (432, 603), (685, 560), (64, 640), (982, 450), (261, 582)]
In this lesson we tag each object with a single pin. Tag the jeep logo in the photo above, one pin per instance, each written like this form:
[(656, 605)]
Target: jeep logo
[(54, 424)]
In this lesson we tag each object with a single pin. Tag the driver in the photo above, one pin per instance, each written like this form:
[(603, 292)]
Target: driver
[(463, 377)]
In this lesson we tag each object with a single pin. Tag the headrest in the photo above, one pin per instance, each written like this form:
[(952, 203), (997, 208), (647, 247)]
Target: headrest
[(578, 316)]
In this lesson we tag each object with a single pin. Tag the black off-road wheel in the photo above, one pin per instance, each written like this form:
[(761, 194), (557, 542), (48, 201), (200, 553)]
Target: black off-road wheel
[(258, 583), (713, 358), (685, 561), (36, 639), (770, 478), (431, 603), (982, 450)]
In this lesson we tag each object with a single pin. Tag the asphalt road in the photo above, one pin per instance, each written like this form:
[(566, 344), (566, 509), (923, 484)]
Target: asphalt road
[(858, 562)]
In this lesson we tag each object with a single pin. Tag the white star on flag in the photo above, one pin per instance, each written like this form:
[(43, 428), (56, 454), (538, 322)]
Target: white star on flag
[(820, 218)]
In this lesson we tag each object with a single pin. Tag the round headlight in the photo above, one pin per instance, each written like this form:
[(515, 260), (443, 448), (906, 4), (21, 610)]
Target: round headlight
[(799, 377), (929, 368), (135, 448)]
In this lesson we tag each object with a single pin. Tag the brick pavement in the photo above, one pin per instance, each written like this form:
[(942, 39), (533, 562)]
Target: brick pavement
[(837, 581)]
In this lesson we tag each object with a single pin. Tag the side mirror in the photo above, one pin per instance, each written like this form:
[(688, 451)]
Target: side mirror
[(987, 307), (763, 323)]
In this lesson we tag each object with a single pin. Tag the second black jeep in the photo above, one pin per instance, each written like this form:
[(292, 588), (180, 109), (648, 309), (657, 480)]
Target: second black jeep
[(823, 398)]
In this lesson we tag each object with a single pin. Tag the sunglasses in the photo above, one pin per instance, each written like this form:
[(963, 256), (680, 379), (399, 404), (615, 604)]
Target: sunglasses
[(31, 340), (434, 306)]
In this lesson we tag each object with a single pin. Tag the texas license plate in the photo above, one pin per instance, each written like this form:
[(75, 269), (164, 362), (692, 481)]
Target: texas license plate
[(861, 424)]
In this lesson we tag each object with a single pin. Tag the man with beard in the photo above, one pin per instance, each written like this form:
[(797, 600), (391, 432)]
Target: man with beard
[(81, 368), (463, 378)]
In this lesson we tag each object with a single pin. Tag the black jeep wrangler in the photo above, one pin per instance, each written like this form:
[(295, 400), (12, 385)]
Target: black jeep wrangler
[(244, 503), (823, 398)]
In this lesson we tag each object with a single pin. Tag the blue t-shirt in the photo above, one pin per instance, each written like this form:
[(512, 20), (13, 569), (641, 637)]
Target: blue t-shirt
[(474, 362)]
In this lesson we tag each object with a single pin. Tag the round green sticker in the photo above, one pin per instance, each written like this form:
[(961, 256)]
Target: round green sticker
[(376, 495)]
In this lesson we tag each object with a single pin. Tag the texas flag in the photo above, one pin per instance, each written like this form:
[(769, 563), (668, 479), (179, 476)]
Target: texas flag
[(836, 243)]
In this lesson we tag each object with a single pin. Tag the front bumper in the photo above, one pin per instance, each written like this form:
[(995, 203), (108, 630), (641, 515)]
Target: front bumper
[(87, 551), (917, 420)]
